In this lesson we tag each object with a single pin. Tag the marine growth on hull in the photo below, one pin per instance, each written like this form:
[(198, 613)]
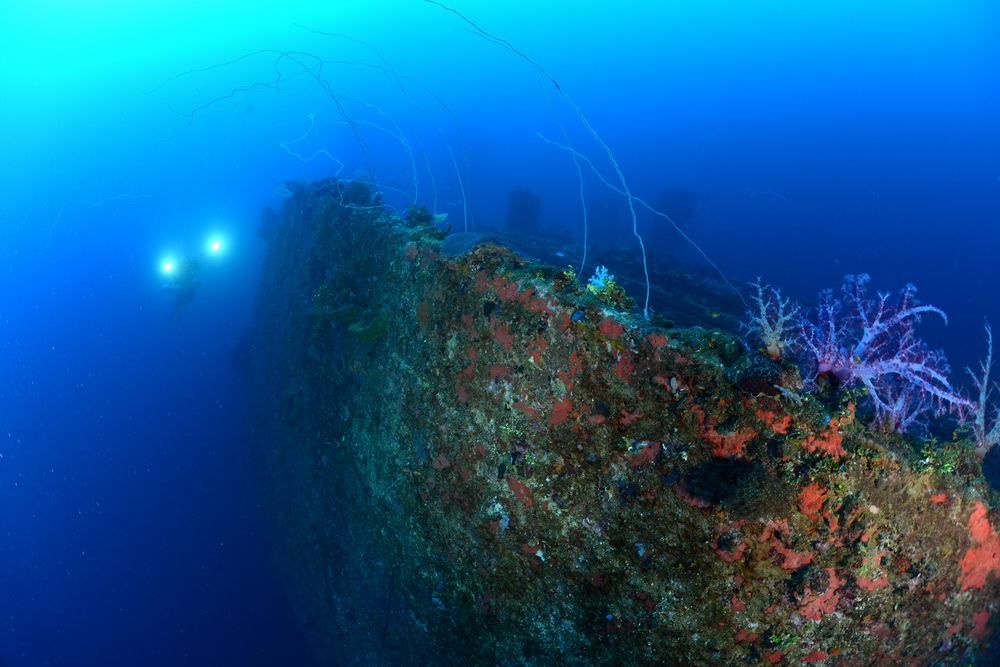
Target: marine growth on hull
[(473, 457)]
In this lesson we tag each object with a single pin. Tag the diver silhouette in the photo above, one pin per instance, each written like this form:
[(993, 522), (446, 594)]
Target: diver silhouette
[(183, 283)]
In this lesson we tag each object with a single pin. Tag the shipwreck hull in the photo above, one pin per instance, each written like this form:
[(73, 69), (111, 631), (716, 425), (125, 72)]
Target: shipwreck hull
[(469, 459)]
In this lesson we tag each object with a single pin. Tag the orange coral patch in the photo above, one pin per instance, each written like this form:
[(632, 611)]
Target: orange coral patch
[(564, 377), (730, 556), (870, 584), (816, 605), (657, 339), (778, 425), (829, 441), (526, 409), (560, 410), (540, 343), (521, 492), (728, 445), (693, 501), (980, 630), (624, 368), (460, 389), (610, 329), (792, 560), (505, 290), (575, 365), (647, 454), (984, 556), (629, 417), (811, 500), (501, 332)]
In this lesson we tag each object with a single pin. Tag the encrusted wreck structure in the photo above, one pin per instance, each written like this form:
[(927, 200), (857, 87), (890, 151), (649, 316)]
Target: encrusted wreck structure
[(470, 458)]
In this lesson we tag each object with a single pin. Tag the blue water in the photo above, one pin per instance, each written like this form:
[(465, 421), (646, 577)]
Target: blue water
[(818, 142)]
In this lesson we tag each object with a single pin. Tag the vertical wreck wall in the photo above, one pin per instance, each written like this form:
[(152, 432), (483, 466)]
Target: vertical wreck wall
[(469, 459)]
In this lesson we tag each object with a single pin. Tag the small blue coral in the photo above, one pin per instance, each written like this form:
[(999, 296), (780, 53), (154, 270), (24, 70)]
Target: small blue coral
[(601, 280)]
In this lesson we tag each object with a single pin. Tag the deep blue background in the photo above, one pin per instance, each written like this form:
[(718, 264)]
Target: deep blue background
[(820, 140)]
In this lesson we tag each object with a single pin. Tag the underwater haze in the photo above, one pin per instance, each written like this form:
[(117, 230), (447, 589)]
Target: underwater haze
[(794, 141)]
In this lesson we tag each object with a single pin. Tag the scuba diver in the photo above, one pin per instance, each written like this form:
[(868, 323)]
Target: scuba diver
[(183, 282), (182, 278)]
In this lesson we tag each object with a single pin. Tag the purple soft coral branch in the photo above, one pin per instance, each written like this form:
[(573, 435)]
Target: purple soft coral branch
[(823, 338), (904, 379), (873, 328), (879, 327), (921, 374)]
